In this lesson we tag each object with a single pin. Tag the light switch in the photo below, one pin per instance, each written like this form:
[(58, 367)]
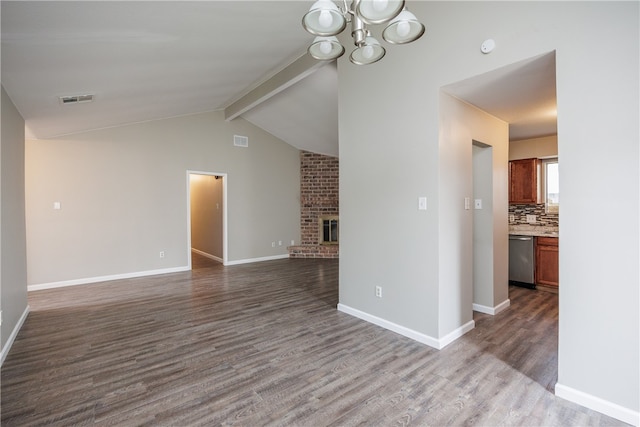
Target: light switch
[(477, 204), (467, 203), (56, 206), (422, 203)]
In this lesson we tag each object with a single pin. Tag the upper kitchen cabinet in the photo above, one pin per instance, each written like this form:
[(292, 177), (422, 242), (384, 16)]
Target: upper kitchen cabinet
[(524, 181)]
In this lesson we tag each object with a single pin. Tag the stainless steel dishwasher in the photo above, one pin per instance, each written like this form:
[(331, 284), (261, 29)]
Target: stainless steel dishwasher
[(522, 261)]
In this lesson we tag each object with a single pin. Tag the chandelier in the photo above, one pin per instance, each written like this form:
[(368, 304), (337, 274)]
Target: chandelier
[(326, 20)]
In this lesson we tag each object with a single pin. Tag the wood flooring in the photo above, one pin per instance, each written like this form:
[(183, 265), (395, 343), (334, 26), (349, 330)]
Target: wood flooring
[(263, 344)]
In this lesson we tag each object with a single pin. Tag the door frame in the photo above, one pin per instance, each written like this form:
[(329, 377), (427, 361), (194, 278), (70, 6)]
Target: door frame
[(224, 213)]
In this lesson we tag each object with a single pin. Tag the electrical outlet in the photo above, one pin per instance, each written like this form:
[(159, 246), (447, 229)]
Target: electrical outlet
[(293, 242), (531, 219), (279, 242), (0, 317), (512, 218), (161, 254), (273, 244), (379, 291)]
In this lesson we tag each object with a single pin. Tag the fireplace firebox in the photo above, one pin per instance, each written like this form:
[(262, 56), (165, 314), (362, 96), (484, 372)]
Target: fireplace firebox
[(328, 230)]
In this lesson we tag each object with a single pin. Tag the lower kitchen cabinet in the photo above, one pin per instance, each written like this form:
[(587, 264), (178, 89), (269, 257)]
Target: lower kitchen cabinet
[(547, 261)]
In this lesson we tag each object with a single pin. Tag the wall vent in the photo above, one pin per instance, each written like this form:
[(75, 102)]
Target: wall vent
[(240, 141), (75, 99)]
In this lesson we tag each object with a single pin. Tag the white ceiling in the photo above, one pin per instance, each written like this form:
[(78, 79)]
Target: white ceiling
[(522, 94), (151, 60)]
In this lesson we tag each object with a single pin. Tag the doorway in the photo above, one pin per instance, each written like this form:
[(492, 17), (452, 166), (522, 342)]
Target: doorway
[(207, 216)]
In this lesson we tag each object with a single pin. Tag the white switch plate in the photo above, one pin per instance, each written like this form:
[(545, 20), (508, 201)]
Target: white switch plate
[(56, 206), (467, 203), (477, 204), (531, 219), (422, 203)]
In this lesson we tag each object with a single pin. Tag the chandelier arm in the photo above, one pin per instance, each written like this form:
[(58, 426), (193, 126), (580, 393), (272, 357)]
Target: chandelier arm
[(347, 9), (359, 31)]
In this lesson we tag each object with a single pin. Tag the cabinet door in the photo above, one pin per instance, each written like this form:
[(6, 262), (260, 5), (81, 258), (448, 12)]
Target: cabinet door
[(524, 181), (547, 272)]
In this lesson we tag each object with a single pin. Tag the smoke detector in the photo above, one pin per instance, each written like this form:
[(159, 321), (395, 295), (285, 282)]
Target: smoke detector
[(76, 99)]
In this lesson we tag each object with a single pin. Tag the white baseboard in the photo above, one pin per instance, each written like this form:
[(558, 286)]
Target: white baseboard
[(88, 280), (456, 333), (409, 333), (14, 334), (207, 255), (611, 409), (250, 260), (492, 310)]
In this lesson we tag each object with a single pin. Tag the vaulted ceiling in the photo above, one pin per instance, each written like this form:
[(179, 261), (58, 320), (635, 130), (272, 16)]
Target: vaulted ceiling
[(151, 60)]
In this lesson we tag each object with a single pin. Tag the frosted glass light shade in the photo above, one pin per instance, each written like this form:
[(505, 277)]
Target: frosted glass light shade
[(368, 53), (379, 11), (326, 48), (404, 28), (324, 19)]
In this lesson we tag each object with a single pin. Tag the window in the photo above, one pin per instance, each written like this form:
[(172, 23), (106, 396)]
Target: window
[(552, 186)]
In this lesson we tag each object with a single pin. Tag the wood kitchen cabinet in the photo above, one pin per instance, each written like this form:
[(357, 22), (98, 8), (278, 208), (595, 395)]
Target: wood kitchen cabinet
[(547, 261), (524, 181)]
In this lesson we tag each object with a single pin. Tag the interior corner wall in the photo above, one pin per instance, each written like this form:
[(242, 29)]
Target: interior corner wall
[(123, 196), (483, 256), (460, 125), (389, 156), (13, 263), (206, 214)]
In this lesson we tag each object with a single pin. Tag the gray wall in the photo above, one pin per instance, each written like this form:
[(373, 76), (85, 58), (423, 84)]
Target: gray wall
[(391, 153), (123, 195), (13, 261), (459, 229)]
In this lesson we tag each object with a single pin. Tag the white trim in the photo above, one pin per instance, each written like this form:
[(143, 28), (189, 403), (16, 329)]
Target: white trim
[(14, 334), (597, 404), (456, 333), (492, 310), (207, 255), (409, 333), (250, 260), (88, 280)]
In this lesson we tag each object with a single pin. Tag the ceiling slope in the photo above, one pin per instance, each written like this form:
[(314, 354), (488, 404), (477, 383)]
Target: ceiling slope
[(141, 60), (152, 60)]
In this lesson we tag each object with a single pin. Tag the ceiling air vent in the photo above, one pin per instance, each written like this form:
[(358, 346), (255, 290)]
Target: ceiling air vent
[(75, 99)]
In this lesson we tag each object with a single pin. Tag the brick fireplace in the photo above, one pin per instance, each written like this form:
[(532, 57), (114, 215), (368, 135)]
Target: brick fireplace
[(319, 195)]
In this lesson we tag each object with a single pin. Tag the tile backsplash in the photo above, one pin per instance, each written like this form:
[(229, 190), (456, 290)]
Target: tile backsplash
[(520, 213)]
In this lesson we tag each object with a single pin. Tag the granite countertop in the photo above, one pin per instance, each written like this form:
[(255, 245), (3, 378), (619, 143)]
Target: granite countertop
[(533, 230)]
